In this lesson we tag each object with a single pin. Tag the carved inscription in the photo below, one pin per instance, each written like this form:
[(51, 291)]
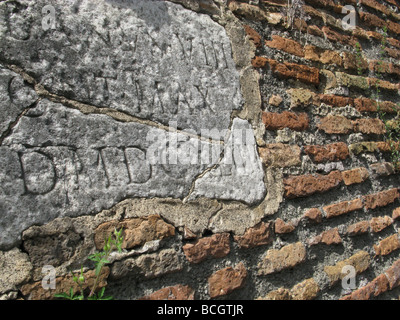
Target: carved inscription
[(151, 59)]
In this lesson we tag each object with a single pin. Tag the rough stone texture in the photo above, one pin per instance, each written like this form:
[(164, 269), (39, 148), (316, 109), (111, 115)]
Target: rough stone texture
[(239, 174), (178, 292), (15, 269), (226, 280), (89, 163), (15, 97), (277, 260), (136, 231), (216, 246), (148, 265), (176, 66)]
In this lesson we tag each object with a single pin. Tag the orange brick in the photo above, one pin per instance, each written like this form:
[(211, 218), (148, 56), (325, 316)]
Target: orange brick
[(286, 119), (381, 199), (377, 224), (344, 207), (306, 185), (369, 126), (287, 45), (336, 125), (336, 101), (371, 20), (314, 215), (331, 152), (387, 245), (303, 73), (283, 227), (253, 35), (259, 62), (357, 175), (393, 275), (358, 228), (328, 237)]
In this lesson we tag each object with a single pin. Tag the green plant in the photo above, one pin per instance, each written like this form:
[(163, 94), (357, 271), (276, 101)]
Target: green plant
[(359, 58), (392, 126), (114, 240)]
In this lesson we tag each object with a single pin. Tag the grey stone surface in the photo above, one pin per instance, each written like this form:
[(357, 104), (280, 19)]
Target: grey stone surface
[(154, 60), (15, 269), (15, 97), (239, 175), (59, 162), (151, 59)]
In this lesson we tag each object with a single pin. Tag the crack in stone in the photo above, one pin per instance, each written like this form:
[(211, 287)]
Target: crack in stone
[(8, 131), (90, 109)]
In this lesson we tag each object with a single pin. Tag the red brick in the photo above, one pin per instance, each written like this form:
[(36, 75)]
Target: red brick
[(377, 224), (393, 27), (358, 228), (374, 288), (336, 101), (357, 175), (387, 245), (306, 185), (331, 152), (393, 42), (303, 73), (369, 105), (381, 199), (394, 53), (343, 207), (178, 292), (259, 235), (286, 119), (328, 237), (253, 35), (353, 62), (377, 6), (396, 213), (336, 125), (393, 275), (226, 280), (216, 246), (287, 45), (315, 31), (283, 227), (369, 126), (259, 62), (313, 214), (371, 20), (338, 37)]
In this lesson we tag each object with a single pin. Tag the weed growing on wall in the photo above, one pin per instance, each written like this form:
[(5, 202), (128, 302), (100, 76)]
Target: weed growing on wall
[(392, 126), (114, 241)]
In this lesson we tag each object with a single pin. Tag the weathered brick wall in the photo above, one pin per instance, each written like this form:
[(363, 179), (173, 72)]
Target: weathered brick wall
[(332, 197)]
